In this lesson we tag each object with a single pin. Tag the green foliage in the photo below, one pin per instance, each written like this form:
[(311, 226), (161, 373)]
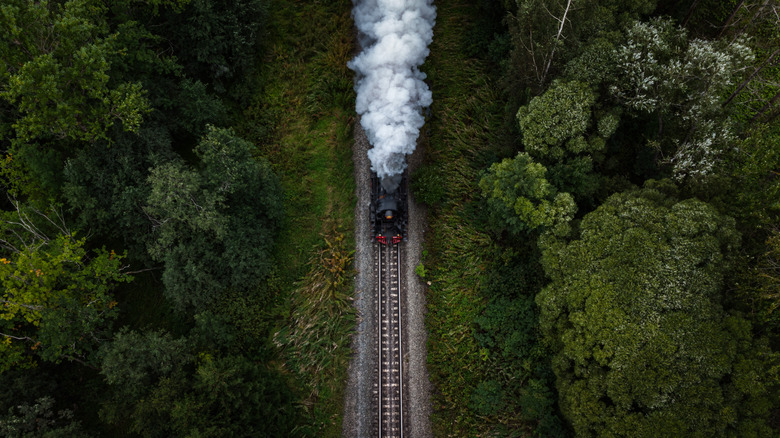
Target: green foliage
[(758, 285), (554, 124), (487, 398), (56, 297), (214, 226), (76, 78), (420, 270), (217, 41), (508, 326), (520, 199), (682, 84), (546, 34), (315, 343), (32, 171), (576, 175), (538, 402), (301, 119), (237, 397), (752, 170), (558, 130), (104, 186), (508, 335), (40, 421), (769, 271), (163, 386), (56, 74), (642, 344), (198, 108), (134, 362)]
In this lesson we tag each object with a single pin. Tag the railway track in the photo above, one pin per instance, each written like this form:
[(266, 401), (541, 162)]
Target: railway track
[(389, 387)]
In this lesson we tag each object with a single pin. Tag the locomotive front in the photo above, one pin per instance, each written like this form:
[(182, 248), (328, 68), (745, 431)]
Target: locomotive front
[(388, 209)]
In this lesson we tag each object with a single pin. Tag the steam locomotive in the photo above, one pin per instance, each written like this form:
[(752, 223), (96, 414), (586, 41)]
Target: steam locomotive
[(388, 209)]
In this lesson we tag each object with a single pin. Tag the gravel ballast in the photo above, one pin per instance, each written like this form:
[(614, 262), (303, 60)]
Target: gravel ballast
[(358, 404)]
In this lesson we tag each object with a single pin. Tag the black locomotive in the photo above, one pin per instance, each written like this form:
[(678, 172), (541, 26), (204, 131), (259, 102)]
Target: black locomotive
[(388, 209)]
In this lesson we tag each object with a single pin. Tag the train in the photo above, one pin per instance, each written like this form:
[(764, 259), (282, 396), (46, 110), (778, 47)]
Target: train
[(388, 209)]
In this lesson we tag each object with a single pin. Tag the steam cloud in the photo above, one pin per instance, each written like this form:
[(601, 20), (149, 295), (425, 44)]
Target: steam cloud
[(391, 93)]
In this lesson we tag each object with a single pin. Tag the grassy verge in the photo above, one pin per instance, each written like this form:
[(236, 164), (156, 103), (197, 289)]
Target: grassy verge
[(458, 253), (302, 119)]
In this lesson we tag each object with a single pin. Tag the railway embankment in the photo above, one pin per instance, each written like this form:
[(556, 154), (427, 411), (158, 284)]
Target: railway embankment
[(360, 404)]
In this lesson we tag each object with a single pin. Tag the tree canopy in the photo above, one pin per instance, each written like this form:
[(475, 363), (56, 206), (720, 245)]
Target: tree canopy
[(57, 300), (520, 199), (634, 313), (167, 386), (55, 75), (214, 226)]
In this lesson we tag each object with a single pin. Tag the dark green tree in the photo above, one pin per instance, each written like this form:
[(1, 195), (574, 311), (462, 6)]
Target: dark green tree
[(214, 227), (138, 364), (40, 421), (643, 347), (217, 42), (166, 386), (106, 186), (548, 33)]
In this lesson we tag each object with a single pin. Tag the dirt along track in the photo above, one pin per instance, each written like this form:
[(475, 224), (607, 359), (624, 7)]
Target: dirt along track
[(360, 404)]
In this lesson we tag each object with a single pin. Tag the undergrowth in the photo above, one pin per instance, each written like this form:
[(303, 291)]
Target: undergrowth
[(463, 137), (302, 120), (318, 334)]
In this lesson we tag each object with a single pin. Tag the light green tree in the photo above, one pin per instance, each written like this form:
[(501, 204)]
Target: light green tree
[(55, 72), (554, 124), (561, 130), (521, 200), (56, 300), (643, 347)]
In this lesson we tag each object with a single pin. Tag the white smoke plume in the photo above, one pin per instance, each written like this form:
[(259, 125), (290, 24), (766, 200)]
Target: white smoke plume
[(391, 94)]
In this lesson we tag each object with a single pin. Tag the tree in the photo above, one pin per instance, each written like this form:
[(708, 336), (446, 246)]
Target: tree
[(520, 199), (56, 72), (56, 297), (554, 124), (548, 33), (40, 420), (134, 362), (106, 187), (757, 22), (643, 347), (559, 130), (166, 386), (217, 42), (681, 84), (508, 325), (214, 226)]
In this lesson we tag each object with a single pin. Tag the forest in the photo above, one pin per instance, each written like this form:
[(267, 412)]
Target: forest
[(177, 231), (603, 244)]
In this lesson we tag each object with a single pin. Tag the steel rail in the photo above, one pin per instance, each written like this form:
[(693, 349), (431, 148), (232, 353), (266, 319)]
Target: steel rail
[(400, 347), (379, 339), (390, 341)]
